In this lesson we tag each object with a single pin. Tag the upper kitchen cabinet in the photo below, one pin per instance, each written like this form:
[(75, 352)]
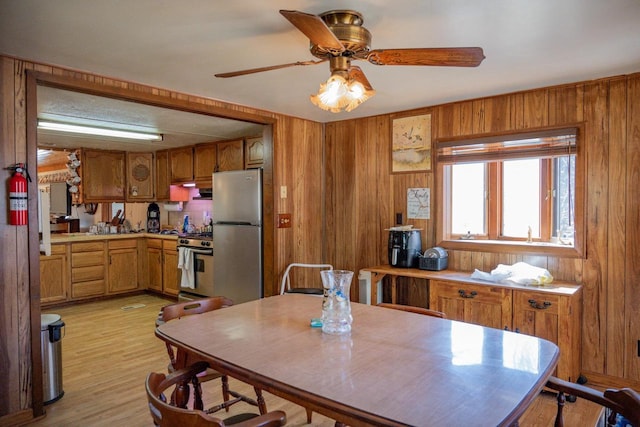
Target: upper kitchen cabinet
[(103, 175), (204, 162), (230, 155), (253, 153), (140, 177), (163, 176), (181, 164)]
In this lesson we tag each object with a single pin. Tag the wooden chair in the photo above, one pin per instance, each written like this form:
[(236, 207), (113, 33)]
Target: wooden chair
[(167, 415), (285, 287), (176, 311), (625, 402), (412, 309)]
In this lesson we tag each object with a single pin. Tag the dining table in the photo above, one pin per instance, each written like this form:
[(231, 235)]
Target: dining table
[(394, 368)]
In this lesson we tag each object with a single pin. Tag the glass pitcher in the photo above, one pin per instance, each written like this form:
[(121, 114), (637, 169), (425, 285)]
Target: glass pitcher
[(336, 306)]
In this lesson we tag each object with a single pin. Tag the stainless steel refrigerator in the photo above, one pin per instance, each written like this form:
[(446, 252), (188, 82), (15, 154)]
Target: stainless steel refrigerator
[(237, 234)]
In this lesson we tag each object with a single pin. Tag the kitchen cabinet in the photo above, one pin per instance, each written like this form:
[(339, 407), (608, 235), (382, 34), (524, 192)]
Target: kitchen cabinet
[(204, 163), (154, 264), (140, 177), (551, 313), (103, 175), (230, 155), (88, 260), (123, 265), (253, 153), (481, 305), (54, 275), (163, 176), (170, 271), (181, 164)]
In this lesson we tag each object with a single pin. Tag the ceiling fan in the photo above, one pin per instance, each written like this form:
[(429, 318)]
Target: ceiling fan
[(338, 36)]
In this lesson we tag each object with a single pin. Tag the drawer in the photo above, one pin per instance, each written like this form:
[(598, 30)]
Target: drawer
[(58, 249), (87, 289), (87, 258), (154, 243), (123, 244), (169, 245), (528, 300), (87, 246), (83, 274)]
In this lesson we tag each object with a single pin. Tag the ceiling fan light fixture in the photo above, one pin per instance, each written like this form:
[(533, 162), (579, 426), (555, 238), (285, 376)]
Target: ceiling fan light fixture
[(97, 131), (339, 94)]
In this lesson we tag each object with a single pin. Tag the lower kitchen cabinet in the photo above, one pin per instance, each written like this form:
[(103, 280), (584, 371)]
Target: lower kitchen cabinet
[(123, 265), (88, 260), (154, 264), (170, 272), (54, 275), (553, 313)]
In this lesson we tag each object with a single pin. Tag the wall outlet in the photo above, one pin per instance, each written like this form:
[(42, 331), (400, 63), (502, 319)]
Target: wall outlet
[(283, 191), (284, 220)]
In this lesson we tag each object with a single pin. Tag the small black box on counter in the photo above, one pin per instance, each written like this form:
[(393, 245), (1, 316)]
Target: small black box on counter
[(434, 259)]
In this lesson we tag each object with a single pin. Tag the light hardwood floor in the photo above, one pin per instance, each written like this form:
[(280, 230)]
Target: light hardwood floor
[(107, 351)]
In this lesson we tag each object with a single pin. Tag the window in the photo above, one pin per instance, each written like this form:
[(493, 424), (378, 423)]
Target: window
[(517, 189)]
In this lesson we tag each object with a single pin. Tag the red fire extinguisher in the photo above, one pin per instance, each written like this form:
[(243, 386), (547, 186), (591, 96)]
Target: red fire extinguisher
[(18, 212)]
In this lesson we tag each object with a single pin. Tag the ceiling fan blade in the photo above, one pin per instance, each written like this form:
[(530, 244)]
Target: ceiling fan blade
[(314, 28), (355, 73), (444, 56), (272, 67)]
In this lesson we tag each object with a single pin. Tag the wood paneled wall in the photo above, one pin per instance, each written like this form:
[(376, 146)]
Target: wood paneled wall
[(362, 197)]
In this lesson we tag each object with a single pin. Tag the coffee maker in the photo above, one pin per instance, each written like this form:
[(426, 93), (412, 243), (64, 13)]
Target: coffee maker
[(153, 218), (404, 248)]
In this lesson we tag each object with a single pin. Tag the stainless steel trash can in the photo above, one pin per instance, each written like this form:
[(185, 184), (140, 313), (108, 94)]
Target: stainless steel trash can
[(51, 334)]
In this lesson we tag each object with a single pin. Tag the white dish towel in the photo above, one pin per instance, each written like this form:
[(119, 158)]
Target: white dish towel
[(185, 263)]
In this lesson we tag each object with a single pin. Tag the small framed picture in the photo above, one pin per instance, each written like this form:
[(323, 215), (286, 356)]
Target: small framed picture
[(411, 144)]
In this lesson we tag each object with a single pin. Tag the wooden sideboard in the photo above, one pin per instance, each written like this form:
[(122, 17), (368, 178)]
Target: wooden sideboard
[(552, 312)]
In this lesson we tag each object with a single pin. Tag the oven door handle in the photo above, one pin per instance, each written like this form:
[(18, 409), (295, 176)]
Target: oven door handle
[(202, 251)]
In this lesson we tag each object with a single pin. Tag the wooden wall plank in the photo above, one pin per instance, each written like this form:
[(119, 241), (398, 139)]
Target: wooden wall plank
[(595, 267), (617, 233), (631, 299)]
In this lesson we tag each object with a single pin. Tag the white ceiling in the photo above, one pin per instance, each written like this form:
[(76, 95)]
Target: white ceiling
[(180, 45)]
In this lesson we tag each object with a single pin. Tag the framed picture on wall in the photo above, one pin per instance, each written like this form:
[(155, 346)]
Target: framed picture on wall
[(411, 144)]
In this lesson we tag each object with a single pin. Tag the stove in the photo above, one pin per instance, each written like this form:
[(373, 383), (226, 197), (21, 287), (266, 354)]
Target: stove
[(201, 240)]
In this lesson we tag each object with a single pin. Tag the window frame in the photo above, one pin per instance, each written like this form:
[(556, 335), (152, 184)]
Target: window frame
[(443, 196)]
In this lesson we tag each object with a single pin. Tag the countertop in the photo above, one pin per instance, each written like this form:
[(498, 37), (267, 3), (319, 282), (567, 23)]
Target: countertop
[(83, 237)]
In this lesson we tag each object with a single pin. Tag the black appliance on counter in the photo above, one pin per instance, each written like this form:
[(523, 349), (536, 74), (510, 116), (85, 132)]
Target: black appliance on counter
[(404, 248), (153, 218)]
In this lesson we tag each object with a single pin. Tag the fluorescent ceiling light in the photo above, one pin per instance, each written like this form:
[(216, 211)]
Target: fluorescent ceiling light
[(89, 130)]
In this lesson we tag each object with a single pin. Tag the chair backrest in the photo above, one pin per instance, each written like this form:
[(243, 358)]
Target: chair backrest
[(625, 402), (166, 415), (187, 308), (412, 309), (286, 281)]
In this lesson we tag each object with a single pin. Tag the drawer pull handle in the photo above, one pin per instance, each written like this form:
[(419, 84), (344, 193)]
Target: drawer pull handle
[(533, 303), (464, 294)]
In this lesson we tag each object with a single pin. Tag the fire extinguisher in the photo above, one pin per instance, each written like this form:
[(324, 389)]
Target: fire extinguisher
[(18, 194)]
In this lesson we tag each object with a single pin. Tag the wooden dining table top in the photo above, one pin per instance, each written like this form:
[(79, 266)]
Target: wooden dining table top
[(394, 368)]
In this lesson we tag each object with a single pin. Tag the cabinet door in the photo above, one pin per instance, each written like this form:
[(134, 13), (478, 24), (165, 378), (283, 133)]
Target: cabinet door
[(204, 162), (103, 175), (555, 318), (253, 153), (481, 305), (231, 155), (123, 270), (181, 164), (54, 275), (163, 175), (154, 258), (140, 177), (170, 271)]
